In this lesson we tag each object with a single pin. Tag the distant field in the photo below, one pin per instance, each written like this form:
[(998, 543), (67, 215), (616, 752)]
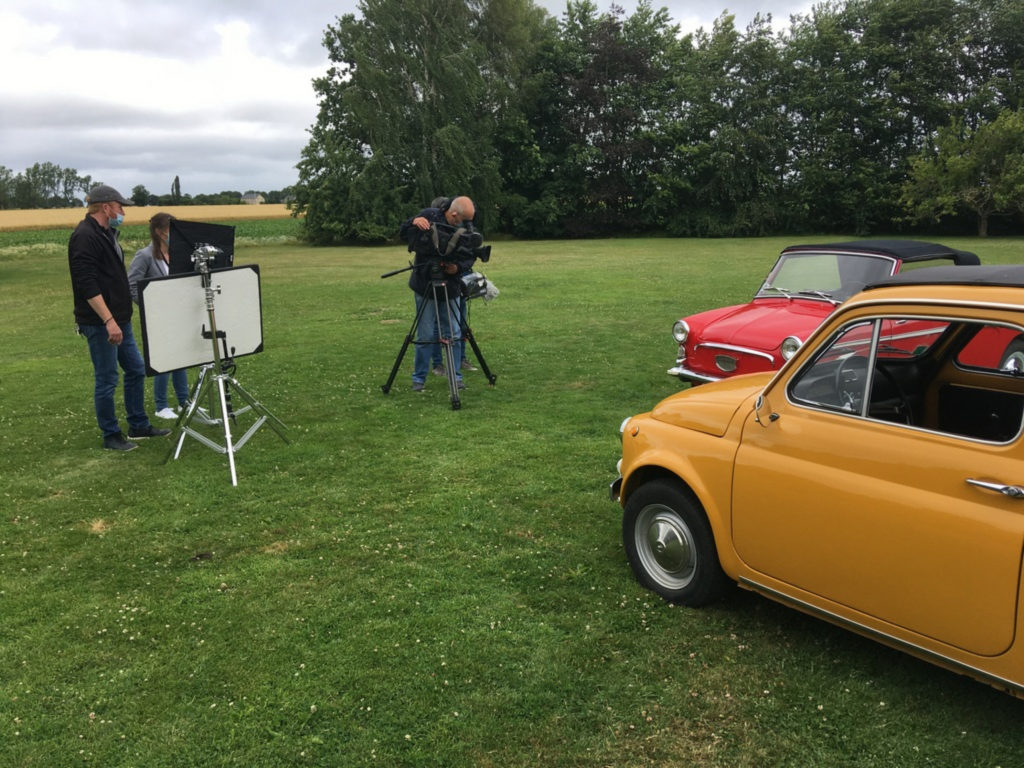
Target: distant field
[(67, 217)]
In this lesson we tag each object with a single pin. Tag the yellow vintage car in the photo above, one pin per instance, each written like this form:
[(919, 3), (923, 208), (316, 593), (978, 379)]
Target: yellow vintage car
[(875, 481)]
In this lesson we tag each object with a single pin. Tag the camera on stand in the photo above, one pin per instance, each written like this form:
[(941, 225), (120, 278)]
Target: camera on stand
[(435, 248)]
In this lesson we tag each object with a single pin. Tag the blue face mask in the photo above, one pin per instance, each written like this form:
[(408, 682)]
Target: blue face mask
[(116, 221)]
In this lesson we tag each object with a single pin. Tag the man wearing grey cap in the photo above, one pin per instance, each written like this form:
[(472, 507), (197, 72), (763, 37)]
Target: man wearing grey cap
[(103, 312)]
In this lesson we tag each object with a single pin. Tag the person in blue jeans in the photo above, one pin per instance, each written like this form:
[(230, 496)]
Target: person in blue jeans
[(103, 313), (454, 213), (436, 361), (154, 261)]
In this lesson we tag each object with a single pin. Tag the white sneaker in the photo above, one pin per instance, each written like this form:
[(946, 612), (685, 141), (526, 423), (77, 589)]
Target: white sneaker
[(166, 413)]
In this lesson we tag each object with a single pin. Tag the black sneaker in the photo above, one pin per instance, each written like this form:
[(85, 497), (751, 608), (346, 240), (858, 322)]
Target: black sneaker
[(116, 442), (136, 433)]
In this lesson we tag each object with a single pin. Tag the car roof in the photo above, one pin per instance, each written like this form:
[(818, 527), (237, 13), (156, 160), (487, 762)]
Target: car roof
[(999, 275), (904, 250)]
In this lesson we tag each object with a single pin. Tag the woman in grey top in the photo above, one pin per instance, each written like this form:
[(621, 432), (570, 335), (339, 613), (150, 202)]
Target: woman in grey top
[(153, 261)]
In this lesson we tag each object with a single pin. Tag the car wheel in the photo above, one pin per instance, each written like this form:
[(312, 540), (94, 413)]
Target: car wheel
[(670, 546), (1013, 356)]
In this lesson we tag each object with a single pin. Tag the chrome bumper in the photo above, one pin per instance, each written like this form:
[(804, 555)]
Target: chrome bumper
[(685, 373), (615, 488)]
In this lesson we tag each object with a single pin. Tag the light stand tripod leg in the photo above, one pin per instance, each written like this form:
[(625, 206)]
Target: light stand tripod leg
[(201, 388), (265, 416), (229, 447)]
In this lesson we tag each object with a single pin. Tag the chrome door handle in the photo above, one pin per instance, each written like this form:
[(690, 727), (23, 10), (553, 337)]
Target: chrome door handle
[(1013, 491)]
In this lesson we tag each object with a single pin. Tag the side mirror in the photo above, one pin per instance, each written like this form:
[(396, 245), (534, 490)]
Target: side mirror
[(763, 413)]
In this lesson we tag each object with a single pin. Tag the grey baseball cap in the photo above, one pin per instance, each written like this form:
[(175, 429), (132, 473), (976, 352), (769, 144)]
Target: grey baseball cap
[(103, 193)]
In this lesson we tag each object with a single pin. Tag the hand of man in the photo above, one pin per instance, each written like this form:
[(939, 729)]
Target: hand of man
[(451, 269), (114, 336), (421, 223)]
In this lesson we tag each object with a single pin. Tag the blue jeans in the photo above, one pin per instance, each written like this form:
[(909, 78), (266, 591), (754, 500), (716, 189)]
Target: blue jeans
[(179, 379), (106, 357), (427, 332)]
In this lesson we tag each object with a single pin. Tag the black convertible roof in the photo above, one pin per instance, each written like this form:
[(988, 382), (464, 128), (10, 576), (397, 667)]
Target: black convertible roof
[(904, 250), (1000, 275)]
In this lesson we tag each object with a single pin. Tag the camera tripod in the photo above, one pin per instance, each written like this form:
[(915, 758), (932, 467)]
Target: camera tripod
[(217, 378), (438, 297)]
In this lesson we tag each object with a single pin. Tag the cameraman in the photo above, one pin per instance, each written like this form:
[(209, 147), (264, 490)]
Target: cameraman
[(426, 268)]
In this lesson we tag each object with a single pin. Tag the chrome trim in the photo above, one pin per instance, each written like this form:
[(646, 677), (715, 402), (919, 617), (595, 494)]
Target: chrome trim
[(842, 621), (732, 348), (1012, 491), (686, 373), (615, 488)]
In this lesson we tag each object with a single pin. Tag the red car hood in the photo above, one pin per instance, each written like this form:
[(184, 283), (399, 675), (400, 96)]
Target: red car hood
[(761, 324)]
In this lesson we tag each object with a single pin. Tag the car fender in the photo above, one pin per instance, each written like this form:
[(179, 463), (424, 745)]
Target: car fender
[(651, 449)]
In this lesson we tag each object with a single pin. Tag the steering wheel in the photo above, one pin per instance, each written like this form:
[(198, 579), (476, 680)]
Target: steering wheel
[(850, 378)]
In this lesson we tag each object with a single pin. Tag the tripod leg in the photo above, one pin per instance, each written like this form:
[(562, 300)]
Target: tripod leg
[(386, 387), (275, 423), (447, 342), (467, 333), (201, 388), (228, 446)]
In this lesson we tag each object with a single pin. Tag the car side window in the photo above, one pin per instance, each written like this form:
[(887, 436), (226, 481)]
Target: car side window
[(836, 378), (958, 377)]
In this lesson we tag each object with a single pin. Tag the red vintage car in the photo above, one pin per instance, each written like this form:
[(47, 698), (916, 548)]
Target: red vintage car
[(804, 287)]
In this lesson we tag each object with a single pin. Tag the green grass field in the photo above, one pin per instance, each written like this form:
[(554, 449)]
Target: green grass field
[(403, 584)]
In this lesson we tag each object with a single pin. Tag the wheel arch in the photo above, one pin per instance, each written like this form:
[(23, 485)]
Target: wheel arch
[(716, 515)]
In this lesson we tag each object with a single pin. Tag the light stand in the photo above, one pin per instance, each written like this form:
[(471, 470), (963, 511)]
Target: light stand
[(216, 380)]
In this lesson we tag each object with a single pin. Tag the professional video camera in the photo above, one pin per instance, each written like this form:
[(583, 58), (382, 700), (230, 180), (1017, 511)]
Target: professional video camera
[(448, 243)]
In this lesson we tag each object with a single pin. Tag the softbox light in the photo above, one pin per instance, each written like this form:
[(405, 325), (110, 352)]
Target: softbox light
[(185, 236)]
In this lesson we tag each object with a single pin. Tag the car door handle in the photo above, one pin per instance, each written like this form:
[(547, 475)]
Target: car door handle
[(1013, 491)]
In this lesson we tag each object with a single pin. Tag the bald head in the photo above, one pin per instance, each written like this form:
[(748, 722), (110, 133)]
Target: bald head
[(459, 210)]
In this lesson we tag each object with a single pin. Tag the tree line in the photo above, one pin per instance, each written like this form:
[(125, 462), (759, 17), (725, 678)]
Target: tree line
[(863, 116), (47, 185)]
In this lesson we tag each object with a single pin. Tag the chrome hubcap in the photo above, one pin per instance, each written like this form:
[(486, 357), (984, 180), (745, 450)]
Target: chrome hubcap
[(665, 546)]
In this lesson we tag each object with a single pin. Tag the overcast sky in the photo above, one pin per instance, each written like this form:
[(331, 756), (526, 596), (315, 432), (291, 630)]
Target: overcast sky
[(217, 92)]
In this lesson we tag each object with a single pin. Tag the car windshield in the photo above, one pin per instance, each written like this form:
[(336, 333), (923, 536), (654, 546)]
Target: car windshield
[(832, 277)]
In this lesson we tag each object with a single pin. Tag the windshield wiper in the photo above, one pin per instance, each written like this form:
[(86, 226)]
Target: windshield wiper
[(821, 295), (783, 291)]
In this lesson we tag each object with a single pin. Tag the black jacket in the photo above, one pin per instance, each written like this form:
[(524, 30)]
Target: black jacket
[(420, 276), (96, 263)]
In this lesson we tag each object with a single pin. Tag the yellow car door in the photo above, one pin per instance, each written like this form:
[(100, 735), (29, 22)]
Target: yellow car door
[(899, 528)]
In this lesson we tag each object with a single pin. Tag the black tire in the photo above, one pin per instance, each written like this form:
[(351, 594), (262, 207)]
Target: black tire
[(670, 546)]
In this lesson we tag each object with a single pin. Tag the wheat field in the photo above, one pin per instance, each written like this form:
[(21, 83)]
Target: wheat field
[(51, 218)]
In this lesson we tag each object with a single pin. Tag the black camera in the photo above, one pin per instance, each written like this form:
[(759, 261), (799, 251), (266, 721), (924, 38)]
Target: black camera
[(448, 243)]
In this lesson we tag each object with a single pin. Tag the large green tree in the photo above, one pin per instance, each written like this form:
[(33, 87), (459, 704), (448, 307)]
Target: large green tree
[(408, 111), (979, 171), (583, 161), (872, 80), (728, 136)]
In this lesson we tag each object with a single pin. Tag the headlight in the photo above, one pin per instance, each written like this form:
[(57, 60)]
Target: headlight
[(790, 345), (680, 331)]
